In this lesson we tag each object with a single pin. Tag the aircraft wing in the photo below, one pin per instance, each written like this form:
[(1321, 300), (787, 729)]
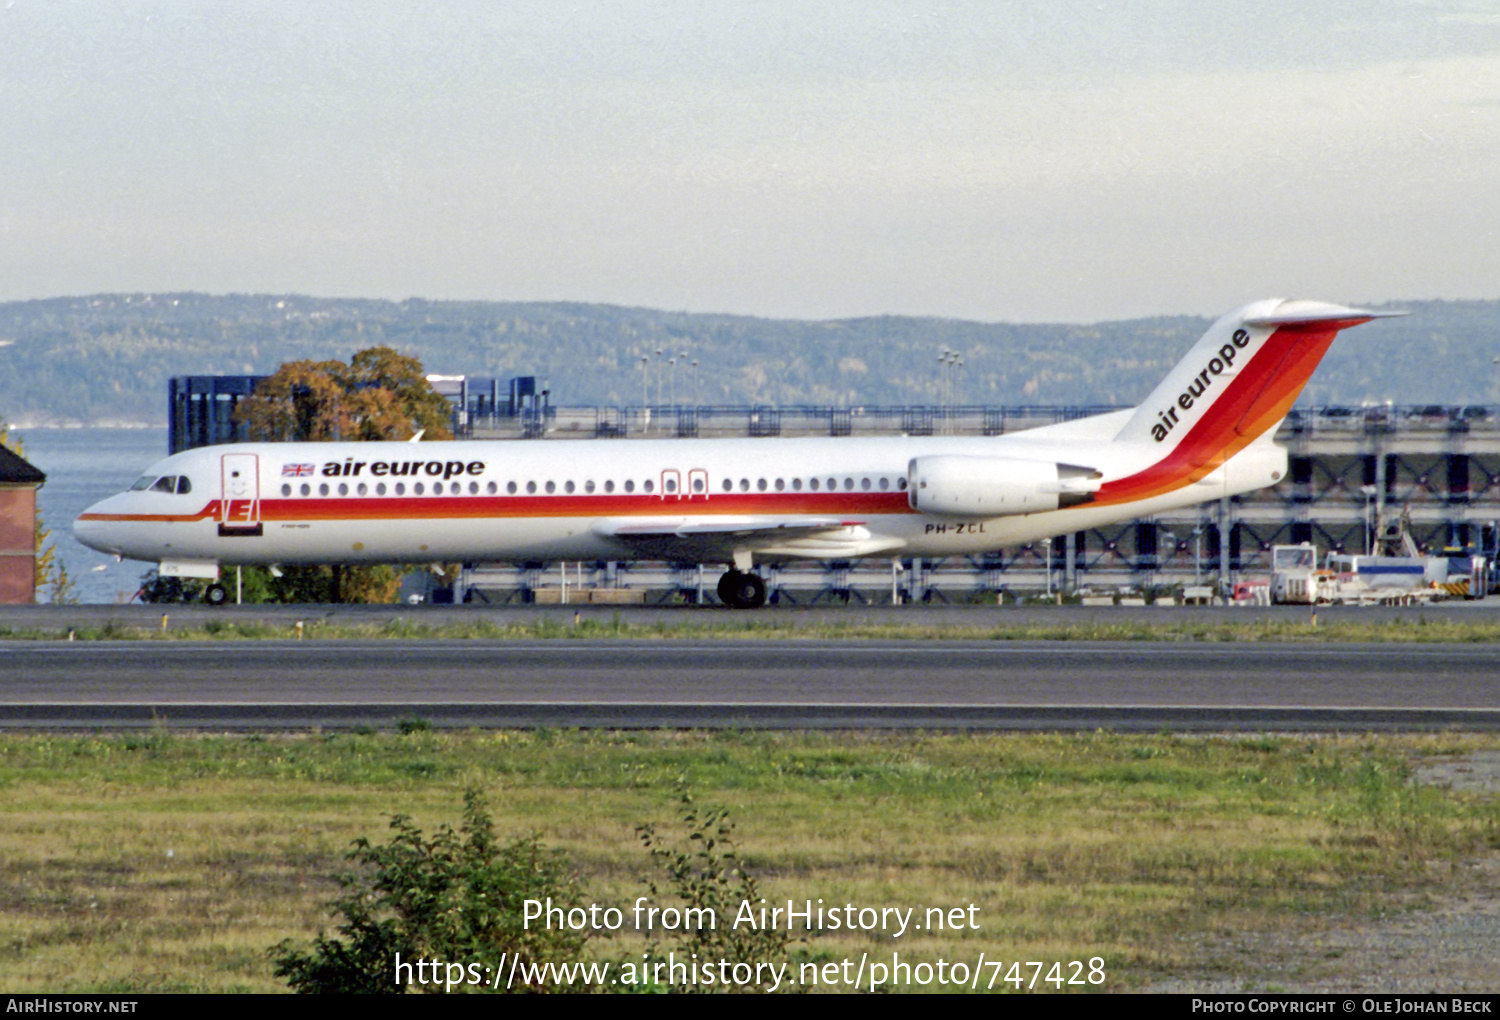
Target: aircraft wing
[(717, 541)]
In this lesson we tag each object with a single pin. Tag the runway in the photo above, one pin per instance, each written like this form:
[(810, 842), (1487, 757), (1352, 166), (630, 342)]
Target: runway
[(751, 683)]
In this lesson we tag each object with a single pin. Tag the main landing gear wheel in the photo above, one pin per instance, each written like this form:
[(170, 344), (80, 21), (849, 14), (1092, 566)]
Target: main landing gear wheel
[(742, 591), (216, 595)]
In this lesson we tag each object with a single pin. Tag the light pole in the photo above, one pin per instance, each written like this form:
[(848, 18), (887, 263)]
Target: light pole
[(1369, 492), (645, 393), (958, 380), (945, 384)]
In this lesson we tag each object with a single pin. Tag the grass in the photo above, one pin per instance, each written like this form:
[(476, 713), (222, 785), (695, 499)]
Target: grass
[(164, 862), (1405, 629)]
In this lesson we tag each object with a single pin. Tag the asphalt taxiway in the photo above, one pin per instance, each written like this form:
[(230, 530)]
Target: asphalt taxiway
[(722, 680)]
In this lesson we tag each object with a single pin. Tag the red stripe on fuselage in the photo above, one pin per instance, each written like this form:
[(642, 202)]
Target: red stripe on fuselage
[(405, 508), (209, 512)]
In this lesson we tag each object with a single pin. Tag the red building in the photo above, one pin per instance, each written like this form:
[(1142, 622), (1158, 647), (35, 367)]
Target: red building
[(19, 481)]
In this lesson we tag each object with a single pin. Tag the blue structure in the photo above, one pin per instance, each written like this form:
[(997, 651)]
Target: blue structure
[(200, 410)]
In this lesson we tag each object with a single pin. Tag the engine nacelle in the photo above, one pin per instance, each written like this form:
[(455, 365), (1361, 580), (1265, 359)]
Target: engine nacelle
[(996, 486)]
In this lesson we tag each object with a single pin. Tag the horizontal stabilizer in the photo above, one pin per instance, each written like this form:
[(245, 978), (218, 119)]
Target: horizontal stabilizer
[(1291, 313)]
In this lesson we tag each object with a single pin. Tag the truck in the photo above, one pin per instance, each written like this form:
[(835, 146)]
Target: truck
[(1297, 579)]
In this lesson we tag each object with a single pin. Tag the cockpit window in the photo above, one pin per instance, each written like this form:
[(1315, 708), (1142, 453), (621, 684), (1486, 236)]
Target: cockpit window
[(177, 484)]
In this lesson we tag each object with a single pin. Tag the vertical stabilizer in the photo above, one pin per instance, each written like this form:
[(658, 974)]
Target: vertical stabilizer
[(1235, 385)]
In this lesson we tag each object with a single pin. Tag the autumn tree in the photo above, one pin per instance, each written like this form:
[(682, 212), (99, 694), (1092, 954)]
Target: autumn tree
[(379, 395)]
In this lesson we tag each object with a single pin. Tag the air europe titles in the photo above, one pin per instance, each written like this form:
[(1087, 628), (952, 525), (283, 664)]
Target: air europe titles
[(1216, 366)]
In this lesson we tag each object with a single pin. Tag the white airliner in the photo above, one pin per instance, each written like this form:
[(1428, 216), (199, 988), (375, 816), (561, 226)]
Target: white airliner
[(1204, 433)]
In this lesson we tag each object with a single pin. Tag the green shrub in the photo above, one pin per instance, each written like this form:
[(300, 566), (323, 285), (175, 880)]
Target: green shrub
[(454, 899), (709, 875)]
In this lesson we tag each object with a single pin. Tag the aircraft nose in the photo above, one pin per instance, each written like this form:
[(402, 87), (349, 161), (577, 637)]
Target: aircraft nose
[(93, 532)]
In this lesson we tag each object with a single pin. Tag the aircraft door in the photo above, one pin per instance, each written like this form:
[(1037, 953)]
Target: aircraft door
[(239, 503), (697, 484), (671, 484)]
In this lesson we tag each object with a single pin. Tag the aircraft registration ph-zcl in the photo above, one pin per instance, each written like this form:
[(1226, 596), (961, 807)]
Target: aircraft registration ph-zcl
[(1204, 433)]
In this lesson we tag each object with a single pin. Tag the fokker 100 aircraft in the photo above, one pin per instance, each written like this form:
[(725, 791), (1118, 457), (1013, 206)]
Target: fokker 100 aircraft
[(1204, 433)]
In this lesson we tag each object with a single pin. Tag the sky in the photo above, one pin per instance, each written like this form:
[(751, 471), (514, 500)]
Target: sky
[(1061, 161)]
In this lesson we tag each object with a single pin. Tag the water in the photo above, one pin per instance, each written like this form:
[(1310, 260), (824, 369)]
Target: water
[(82, 467)]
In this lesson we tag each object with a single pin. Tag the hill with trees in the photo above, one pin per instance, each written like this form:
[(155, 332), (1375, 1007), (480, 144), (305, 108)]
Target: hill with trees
[(105, 359)]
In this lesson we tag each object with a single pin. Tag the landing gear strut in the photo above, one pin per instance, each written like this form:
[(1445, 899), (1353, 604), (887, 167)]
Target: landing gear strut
[(742, 591)]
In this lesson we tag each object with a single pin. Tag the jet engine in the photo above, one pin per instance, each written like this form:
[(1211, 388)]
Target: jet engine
[(996, 486)]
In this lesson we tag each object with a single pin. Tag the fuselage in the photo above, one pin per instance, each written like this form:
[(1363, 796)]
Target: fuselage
[(287, 503), (1204, 433)]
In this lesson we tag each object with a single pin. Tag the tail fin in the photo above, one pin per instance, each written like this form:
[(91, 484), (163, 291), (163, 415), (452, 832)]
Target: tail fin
[(1236, 384)]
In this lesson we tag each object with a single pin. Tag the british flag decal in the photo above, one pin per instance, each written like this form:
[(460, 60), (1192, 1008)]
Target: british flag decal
[(296, 470)]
